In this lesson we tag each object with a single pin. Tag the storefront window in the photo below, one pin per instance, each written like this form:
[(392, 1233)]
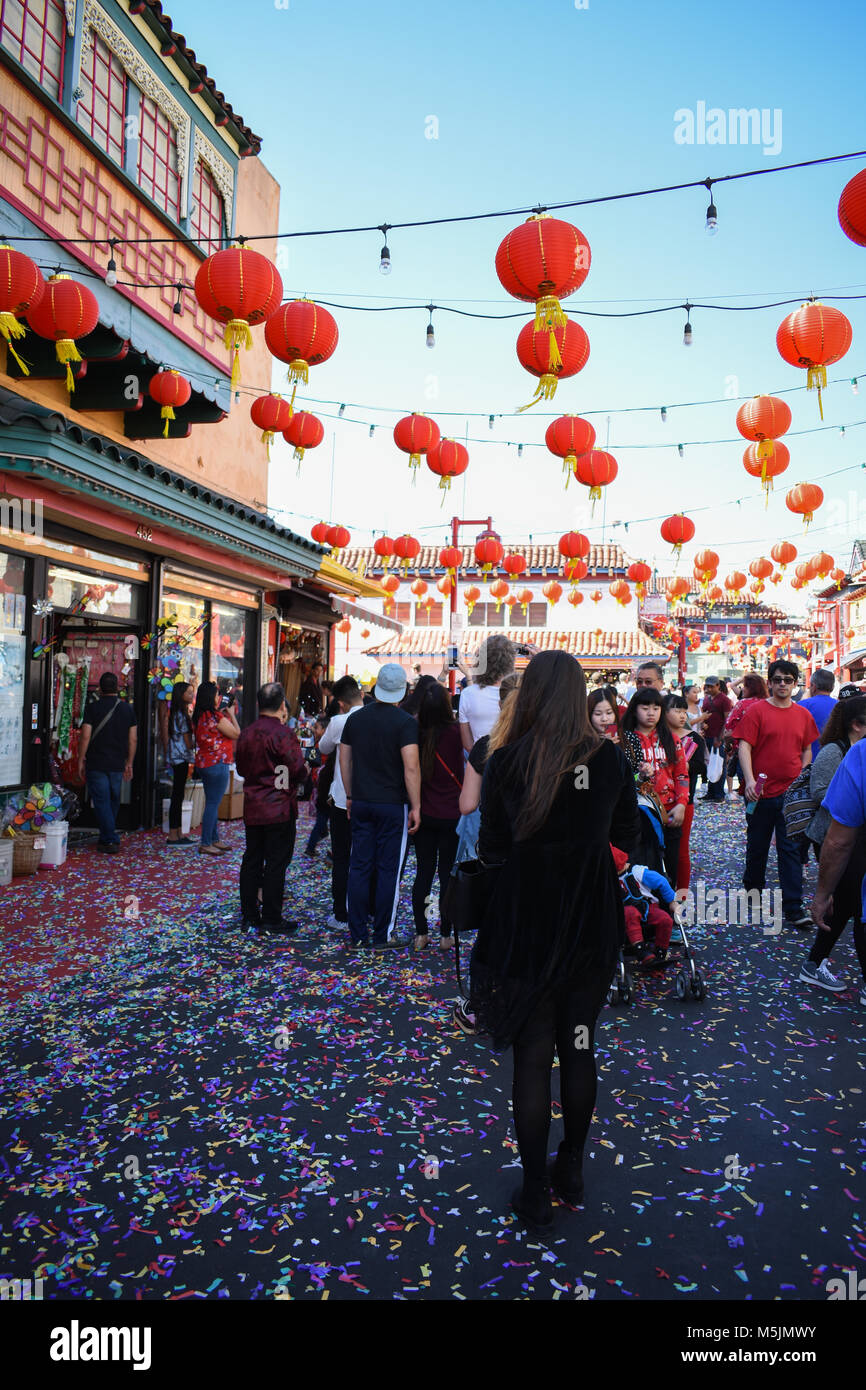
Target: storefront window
[(13, 640), (191, 632), (228, 627), (105, 597)]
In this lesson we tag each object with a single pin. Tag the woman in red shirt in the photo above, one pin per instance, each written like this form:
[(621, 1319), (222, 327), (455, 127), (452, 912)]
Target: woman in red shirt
[(754, 689), (216, 732), (441, 755), (658, 758)]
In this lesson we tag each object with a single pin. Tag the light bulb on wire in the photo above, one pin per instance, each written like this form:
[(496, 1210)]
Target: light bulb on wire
[(490, 421), (341, 412), (664, 413), (111, 271), (431, 336), (680, 450), (372, 428), (854, 387), (385, 254), (520, 451), (687, 331), (712, 211)]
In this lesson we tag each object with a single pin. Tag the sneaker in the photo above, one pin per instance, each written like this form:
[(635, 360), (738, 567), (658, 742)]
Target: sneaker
[(387, 945), (822, 976), (113, 848), (803, 922), (183, 840), (310, 853), (464, 1020), (334, 922)]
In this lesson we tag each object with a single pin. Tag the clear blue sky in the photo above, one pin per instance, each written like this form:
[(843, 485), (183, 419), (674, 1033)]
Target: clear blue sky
[(537, 103)]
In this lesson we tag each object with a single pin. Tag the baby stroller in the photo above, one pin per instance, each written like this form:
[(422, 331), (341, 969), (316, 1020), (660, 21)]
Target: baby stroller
[(688, 978)]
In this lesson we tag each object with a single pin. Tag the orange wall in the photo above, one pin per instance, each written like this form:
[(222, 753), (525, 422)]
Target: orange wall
[(60, 183)]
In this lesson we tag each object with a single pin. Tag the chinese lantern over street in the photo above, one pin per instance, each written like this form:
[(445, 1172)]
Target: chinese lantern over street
[(766, 468), (488, 553), (595, 469), (822, 563), (838, 577), (573, 545), (715, 594), (304, 335), (677, 530), (678, 588), (451, 558), (337, 538), (852, 209), (365, 633), (407, 548), (567, 438), (419, 589), (390, 584), (574, 571), (319, 532), (804, 500), (304, 431), (761, 568), (534, 353), (575, 598), (764, 419), (524, 597), (345, 626), (169, 389), (706, 565), (596, 596), (383, 548), (804, 571), (640, 575), (414, 435), (447, 459), (445, 585), (66, 311), (620, 591), (735, 582), (471, 597), (270, 414), (499, 590), (514, 564), (784, 553), (552, 592), (240, 288), (544, 259), (814, 336), (22, 286)]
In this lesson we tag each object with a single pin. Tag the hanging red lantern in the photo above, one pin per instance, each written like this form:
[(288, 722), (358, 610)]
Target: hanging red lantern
[(575, 598), (783, 552), (64, 312), (390, 583), (451, 558), (814, 336), (447, 459), (365, 633), (270, 414), (383, 547), (678, 588), (419, 589), (764, 419), (445, 585), (735, 582), (761, 568), (838, 576), (766, 468), (337, 538), (304, 335), (620, 591), (22, 287), (407, 549), (573, 545), (596, 596), (575, 570), (852, 209), (706, 561), (345, 626), (567, 438), (715, 594), (534, 353), (488, 553), (169, 389), (595, 470), (319, 532), (239, 288), (639, 574), (804, 500), (804, 571), (552, 592), (677, 530), (499, 590), (514, 564), (757, 588), (471, 595), (305, 431), (415, 435), (544, 259), (822, 564), (524, 597)]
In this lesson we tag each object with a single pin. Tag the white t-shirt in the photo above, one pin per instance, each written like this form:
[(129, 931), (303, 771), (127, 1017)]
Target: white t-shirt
[(479, 708), (327, 743)]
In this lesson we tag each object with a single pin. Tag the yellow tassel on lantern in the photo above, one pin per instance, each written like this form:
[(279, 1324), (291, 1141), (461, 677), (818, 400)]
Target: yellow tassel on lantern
[(765, 449), (569, 463), (299, 370), (816, 380), (167, 414), (10, 328), (237, 335), (67, 352), (267, 436), (549, 313), (545, 391)]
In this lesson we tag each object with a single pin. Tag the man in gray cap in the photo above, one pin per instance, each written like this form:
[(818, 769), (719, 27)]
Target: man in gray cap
[(382, 779)]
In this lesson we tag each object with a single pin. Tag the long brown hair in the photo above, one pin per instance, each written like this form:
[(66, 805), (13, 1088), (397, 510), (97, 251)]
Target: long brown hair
[(548, 713), (434, 715), (507, 696)]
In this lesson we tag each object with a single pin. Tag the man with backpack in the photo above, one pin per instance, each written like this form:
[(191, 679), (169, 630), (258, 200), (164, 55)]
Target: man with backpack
[(776, 739), (109, 737)]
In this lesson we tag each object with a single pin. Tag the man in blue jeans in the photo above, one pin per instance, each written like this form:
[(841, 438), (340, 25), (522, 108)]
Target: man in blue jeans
[(109, 736), (381, 775)]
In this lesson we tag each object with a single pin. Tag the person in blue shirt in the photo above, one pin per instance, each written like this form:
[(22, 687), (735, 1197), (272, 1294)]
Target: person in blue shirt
[(820, 703), (846, 801)]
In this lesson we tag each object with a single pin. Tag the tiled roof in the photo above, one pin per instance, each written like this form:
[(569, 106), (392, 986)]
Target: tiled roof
[(433, 641), (759, 613), (538, 557)]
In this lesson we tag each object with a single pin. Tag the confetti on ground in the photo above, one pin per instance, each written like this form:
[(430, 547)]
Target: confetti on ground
[(194, 1113)]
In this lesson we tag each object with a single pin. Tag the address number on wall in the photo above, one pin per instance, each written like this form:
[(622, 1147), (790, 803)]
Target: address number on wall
[(144, 533)]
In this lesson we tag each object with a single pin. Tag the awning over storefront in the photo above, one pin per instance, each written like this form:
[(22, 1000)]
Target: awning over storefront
[(352, 610)]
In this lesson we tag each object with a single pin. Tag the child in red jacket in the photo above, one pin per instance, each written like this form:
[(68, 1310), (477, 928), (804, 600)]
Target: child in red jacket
[(657, 757)]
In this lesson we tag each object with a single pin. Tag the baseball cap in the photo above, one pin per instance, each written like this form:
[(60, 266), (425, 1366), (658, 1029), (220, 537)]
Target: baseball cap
[(390, 684)]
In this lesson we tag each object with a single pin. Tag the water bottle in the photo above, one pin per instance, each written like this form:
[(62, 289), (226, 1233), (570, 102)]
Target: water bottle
[(759, 788)]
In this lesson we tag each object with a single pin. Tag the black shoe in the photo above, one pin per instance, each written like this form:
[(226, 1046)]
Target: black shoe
[(386, 945), (250, 921), (567, 1176), (282, 928), (531, 1203), (113, 848), (711, 798), (803, 922)]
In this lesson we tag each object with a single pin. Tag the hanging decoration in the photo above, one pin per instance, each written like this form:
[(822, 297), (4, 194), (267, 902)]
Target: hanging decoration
[(66, 311), (852, 209), (390, 584), (814, 336), (524, 598), (567, 438), (383, 548), (784, 553), (544, 259), (677, 530), (804, 500), (304, 335), (22, 287), (822, 564), (552, 592), (838, 577), (419, 589), (447, 459), (715, 595), (595, 470), (451, 558), (272, 415), (761, 568), (572, 546), (337, 537), (471, 595), (736, 582), (240, 288), (766, 468), (345, 625), (620, 591), (574, 571), (514, 564), (319, 532), (499, 590), (678, 588), (596, 596), (804, 571), (304, 431), (706, 567), (534, 353), (407, 549), (640, 575), (575, 598), (169, 389), (416, 435), (445, 585), (488, 554), (764, 419)]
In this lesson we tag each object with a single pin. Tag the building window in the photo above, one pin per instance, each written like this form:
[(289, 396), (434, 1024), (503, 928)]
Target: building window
[(537, 616), (34, 31), (485, 615), (402, 612), (102, 107), (157, 158), (428, 617), (207, 219)]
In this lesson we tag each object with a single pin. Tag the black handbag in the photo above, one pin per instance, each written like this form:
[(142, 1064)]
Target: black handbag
[(468, 894)]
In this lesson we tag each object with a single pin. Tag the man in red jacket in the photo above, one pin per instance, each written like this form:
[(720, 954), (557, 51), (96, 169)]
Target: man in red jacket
[(269, 758)]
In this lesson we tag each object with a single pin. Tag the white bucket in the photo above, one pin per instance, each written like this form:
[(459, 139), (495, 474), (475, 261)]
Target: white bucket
[(5, 861), (56, 834), (185, 815)]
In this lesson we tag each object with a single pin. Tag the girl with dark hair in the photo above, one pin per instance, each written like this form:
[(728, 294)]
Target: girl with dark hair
[(603, 710), (845, 727), (657, 758), (754, 688), (180, 743), (440, 751), (554, 796), (676, 711), (216, 733)]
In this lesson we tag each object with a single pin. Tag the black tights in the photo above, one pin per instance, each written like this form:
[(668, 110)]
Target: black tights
[(564, 1023), (847, 904)]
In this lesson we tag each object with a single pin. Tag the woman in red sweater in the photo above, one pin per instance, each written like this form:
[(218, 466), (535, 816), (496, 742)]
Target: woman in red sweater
[(658, 758)]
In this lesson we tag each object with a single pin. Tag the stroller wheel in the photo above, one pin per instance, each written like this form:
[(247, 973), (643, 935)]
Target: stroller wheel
[(682, 984), (698, 989), (625, 992), (613, 995)]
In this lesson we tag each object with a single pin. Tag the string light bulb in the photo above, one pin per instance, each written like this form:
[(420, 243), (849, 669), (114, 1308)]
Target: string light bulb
[(680, 450), (664, 413), (712, 211), (431, 336), (687, 331), (372, 428), (854, 387), (490, 421), (178, 303), (520, 451), (111, 271), (841, 431), (341, 412), (385, 254)]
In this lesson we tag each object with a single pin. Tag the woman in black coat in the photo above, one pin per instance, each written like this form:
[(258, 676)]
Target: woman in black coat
[(554, 797)]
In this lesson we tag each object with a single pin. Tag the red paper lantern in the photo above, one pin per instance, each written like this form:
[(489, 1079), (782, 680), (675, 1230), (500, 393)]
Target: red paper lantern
[(415, 434), (735, 582), (715, 594), (270, 414), (838, 576), (677, 531), (169, 389), (568, 437), (499, 590), (240, 288), (471, 597), (595, 470), (678, 588), (852, 209), (338, 538), (451, 558), (575, 598), (514, 564), (64, 312), (365, 633), (764, 419), (804, 500), (525, 598), (305, 431), (304, 335), (761, 568), (445, 585), (550, 356), (383, 547), (804, 571), (319, 532), (390, 583), (620, 591), (407, 549), (814, 336), (574, 545), (822, 564), (706, 560), (575, 570), (22, 287), (552, 592), (488, 553), (783, 552), (596, 596), (768, 467), (639, 574), (419, 589), (447, 459), (544, 259)]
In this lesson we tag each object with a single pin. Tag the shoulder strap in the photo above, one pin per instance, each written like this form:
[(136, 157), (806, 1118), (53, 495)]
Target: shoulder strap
[(448, 770), (102, 723)]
